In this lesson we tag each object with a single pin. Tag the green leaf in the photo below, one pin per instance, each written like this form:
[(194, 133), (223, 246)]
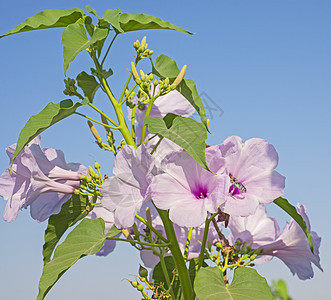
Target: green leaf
[(292, 211), (74, 41), (167, 67), (186, 133), (130, 22), (159, 278), (193, 268), (90, 10), (88, 84), (71, 211), (111, 17), (246, 284), (50, 18), (86, 238), (38, 123), (280, 290)]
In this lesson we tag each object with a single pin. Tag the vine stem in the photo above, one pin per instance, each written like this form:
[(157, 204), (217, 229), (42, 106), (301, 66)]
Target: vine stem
[(184, 277)]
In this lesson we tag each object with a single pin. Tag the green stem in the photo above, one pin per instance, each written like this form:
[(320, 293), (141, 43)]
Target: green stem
[(111, 43), (133, 116), (122, 101), (166, 275), (139, 243), (123, 128), (152, 228), (204, 240), (188, 241), (177, 256), (148, 111), (105, 125), (103, 114)]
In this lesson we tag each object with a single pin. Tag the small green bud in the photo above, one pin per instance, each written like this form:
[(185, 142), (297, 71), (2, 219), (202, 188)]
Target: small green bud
[(143, 272), (150, 76), (150, 52), (83, 186), (134, 283), (142, 74), (141, 49), (253, 256), (77, 192), (140, 287), (155, 82), (166, 81), (83, 177), (96, 165), (143, 41), (91, 171)]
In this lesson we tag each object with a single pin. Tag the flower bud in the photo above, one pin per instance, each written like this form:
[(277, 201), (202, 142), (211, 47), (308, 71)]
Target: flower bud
[(135, 74), (143, 272), (143, 41), (96, 165), (180, 76), (155, 82), (140, 287), (150, 52), (77, 192), (134, 283), (94, 132)]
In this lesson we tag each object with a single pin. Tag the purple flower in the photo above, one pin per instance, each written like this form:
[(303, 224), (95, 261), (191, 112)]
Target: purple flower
[(188, 190), (173, 102), (291, 246), (251, 176), (125, 192), (293, 249), (40, 179)]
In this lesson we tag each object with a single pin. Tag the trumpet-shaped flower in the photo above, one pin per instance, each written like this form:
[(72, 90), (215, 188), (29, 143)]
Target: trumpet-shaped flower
[(291, 246), (187, 190), (251, 178), (125, 192), (41, 179)]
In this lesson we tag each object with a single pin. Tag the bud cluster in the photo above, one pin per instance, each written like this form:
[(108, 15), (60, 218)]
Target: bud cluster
[(91, 182), (71, 88), (141, 49)]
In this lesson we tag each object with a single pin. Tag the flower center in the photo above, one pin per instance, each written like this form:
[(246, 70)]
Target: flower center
[(237, 187), (200, 191)]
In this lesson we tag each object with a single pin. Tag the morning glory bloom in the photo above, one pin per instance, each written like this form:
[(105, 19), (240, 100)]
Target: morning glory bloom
[(293, 249), (291, 246), (125, 193), (251, 178), (187, 190), (41, 179)]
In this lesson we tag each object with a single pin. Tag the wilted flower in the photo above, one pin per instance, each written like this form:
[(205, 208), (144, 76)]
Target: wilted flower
[(41, 179)]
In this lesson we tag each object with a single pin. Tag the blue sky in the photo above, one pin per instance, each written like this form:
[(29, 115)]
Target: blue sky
[(266, 65)]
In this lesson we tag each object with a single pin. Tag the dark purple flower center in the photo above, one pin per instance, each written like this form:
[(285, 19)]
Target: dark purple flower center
[(200, 192)]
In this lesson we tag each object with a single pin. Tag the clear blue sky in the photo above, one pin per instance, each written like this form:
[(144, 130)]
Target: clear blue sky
[(266, 64)]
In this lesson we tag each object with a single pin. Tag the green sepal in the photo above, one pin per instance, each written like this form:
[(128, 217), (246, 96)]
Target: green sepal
[(291, 210), (38, 123), (166, 67), (74, 41), (50, 18), (86, 238), (246, 284), (71, 212), (185, 132)]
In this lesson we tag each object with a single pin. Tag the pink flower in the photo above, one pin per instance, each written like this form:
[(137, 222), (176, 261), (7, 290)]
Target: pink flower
[(40, 179), (187, 190), (125, 192), (251, 177), (291, 246)]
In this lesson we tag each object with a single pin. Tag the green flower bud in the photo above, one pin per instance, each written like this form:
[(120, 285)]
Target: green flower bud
[(140, 287), (134, 283), (96, 165), (143, 272), (142, 74), (143, 41), (253, 256), (166, 81), (135, 73), (91, 171), (77, 192), (155, 82), (83, 177), (150, 52), (150, 76)]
